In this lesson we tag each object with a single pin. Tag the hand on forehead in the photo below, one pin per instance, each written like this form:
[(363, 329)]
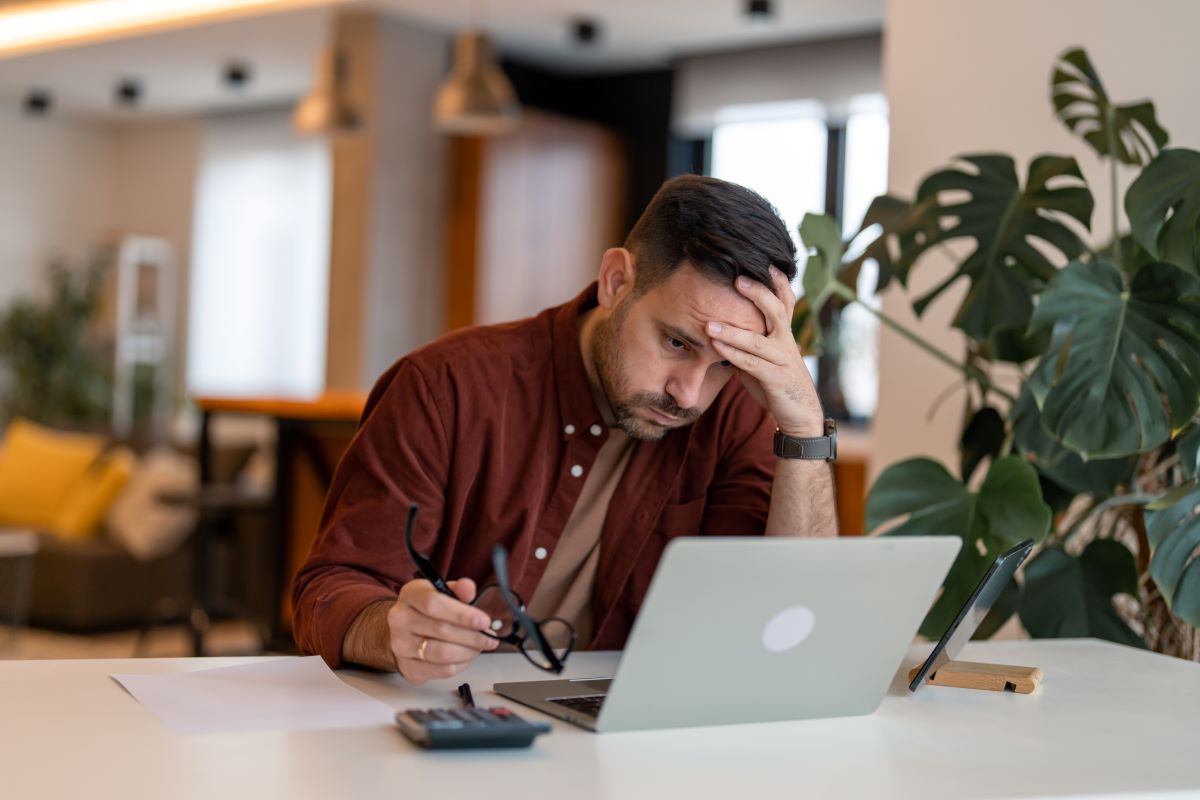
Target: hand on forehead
[(705, 300), (736, 311)]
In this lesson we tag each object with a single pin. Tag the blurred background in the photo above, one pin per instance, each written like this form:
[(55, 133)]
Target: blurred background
[(221, 220)]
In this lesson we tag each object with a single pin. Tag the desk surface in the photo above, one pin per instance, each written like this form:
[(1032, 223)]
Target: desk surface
[(333, 405), (1107, 720)]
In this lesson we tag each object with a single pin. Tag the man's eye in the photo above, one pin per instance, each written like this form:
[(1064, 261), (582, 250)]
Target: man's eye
[(676, 344)]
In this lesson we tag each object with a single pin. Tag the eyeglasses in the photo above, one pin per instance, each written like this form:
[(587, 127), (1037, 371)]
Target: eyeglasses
[(544, 644)]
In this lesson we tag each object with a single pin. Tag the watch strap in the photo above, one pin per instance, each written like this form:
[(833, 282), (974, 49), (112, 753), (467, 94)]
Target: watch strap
[(817, 448)]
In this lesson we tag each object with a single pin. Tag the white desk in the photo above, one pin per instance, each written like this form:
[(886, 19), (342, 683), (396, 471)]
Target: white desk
[(1107, 720)]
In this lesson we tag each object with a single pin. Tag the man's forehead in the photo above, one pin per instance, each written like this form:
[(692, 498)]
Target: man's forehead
[(689, 298)]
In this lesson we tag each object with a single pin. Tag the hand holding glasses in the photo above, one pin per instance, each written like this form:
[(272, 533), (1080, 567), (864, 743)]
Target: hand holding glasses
[(544, 644)]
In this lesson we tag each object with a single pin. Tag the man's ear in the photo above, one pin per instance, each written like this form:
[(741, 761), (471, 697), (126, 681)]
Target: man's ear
[(617, 275)]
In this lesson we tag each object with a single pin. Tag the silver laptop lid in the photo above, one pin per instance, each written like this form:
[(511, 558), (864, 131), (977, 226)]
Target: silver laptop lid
[(749, 629)]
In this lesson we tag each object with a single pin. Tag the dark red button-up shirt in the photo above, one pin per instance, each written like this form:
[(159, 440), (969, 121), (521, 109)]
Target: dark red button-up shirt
[(474, 428)]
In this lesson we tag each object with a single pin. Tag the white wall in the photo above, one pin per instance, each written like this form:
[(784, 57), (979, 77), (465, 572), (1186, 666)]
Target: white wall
[(404, 276), (973, 76), (54, 180), (153, 170)]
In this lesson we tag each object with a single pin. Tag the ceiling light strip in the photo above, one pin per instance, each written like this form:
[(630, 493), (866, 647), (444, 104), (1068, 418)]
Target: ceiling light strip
[(31, 27)]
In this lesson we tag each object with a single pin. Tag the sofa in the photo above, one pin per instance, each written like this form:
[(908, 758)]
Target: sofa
[(116, 523)]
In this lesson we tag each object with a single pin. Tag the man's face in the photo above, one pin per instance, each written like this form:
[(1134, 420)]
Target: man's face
[(654, 359)]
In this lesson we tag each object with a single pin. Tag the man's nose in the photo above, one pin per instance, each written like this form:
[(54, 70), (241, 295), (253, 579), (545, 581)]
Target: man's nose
[(685, 386)]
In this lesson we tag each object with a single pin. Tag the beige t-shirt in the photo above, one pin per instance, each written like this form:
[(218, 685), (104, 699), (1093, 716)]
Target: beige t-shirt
[(566, 587)]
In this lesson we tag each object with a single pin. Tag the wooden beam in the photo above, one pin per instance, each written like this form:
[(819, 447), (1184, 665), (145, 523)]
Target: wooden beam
[(463, 222)]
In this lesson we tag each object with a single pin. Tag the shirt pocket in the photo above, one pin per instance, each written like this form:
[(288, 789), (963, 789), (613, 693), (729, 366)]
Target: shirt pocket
[(681, 519)]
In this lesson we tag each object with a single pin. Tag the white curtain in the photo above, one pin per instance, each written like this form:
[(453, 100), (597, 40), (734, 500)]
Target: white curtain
[(260, 260)]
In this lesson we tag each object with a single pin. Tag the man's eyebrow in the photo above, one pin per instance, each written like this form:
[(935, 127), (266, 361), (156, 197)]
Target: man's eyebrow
[(678, 333)]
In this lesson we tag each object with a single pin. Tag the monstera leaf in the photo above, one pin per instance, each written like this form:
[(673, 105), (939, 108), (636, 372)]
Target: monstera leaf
[(1067, 596), (1005, 268), (1173, 528), (891, 215), (1188, 448), (982, 438), (1099, 477), (1164, 208), (820, 232), (1007, 509), (1131, 134), (1123, 368)]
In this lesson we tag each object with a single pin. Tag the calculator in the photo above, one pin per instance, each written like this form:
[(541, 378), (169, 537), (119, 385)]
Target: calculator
[(469, 727)]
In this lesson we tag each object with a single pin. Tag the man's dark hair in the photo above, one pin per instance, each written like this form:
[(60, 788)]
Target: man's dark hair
[(722, 229)]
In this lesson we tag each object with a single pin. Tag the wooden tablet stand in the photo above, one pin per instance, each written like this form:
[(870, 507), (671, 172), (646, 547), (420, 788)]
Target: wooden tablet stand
[(992, 677)]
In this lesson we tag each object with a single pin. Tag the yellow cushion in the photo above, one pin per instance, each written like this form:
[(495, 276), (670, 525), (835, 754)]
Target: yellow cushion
[(85, 505), (38, 468)]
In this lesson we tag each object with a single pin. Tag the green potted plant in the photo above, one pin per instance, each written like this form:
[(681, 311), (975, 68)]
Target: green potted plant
[(55, 372), (1094, 452)]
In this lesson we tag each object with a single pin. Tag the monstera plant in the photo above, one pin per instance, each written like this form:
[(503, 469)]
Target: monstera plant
[(1090, 443)]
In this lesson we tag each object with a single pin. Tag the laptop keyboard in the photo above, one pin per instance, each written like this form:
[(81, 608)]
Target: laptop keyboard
[(586, 704)]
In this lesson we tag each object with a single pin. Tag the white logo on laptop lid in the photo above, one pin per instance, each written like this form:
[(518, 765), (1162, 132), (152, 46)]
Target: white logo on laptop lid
[(788, 628)]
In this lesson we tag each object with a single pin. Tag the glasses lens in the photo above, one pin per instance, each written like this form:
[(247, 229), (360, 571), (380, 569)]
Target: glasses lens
[(559, 635), (491, 601)]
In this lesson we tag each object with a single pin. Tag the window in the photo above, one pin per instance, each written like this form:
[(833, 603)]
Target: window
[(778, 150), (801, 162), (865, 178), (259, 275)]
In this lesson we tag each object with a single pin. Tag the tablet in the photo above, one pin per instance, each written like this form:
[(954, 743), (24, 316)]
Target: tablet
[(973, 611)]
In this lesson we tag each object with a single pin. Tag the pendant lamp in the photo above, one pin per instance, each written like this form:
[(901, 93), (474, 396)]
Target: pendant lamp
[(324, 109), (476, 98)]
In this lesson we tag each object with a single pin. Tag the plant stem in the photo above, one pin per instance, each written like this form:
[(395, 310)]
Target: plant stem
[(1132, 499), (1110, 120), (848, 294), (1137, 518)]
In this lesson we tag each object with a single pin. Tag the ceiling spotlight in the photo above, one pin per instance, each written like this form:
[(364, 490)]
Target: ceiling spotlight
[(758, 9), (584, 31), (128, 92), (237, 75), (38, 103)]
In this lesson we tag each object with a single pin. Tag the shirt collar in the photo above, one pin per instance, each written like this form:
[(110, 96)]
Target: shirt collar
[(576, 407)]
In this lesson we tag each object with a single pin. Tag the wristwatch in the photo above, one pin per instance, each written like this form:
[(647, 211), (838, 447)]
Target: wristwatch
[(820, 448)]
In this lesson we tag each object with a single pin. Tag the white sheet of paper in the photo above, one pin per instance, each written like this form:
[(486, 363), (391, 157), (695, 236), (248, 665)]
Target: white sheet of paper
[(291, 694)]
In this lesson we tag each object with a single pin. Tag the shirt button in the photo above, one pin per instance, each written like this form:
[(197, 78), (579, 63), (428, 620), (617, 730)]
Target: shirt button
[(596, 430), (576, 470), (540, 554), (569, 429)]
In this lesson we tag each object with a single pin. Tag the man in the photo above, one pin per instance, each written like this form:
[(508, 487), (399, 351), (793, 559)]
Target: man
[(582, 440)]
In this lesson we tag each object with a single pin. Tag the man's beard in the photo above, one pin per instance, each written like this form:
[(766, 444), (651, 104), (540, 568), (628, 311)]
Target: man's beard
[(606, 358)]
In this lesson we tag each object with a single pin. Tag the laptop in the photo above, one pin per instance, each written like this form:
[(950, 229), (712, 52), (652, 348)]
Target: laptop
[(759, 629)]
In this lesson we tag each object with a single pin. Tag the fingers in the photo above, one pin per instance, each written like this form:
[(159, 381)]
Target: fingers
[(775, 304), (783, 290), (432, 603), (742, 343), (435, 636), (439, 630), (441, 651), (464, 588), (740, 359)]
